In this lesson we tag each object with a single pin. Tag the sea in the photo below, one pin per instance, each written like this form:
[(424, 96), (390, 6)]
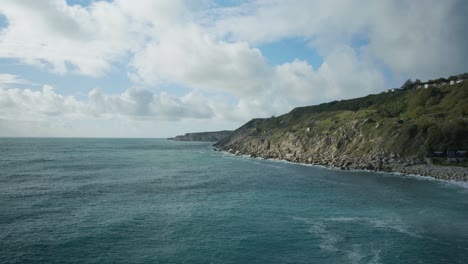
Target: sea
[(71, 200)]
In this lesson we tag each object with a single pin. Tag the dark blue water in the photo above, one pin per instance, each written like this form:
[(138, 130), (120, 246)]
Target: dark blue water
[(158, 201)]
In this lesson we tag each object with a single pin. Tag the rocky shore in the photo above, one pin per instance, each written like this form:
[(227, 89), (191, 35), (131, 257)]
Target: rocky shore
[(390, 132), (392, 164)]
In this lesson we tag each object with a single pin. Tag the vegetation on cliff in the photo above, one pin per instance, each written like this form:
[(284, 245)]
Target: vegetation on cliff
[(403, 126), (203, 136)]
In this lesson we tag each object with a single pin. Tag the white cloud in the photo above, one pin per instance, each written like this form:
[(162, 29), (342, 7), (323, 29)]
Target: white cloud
[(132, 104), (142, 104), (343, 74), (213, 53), (28, 105), (9, 79), (63, 39), (422, 38), (419, 38), (188, 55), (26, 112)]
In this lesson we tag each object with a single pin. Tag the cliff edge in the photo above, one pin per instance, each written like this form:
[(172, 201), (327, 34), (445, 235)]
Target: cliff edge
[(418, 131)]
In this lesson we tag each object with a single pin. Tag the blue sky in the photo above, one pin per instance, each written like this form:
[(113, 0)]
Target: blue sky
[(289, 49), (159, 68)]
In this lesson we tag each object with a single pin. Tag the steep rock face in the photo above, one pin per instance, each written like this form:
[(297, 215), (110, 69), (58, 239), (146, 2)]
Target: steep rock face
[(204, 136), (340, 145), (389, 131)]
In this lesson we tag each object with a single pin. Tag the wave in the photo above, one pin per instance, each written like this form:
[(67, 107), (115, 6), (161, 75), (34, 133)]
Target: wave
[(395, 224), (357, 255), (449, 183), (250, 159), (391, 174), (333, 243), (328, 240), (457, 183)]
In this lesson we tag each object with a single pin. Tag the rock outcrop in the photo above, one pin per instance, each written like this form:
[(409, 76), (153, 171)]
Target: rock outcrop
[(203, 136)]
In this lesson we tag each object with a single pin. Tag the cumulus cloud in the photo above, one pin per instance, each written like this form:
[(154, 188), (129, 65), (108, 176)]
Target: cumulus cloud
[(420, 38), (62, 38), (195, 59), (342, 74), (423, 38), (190, 56), (26, 104), (132, 104), (143, 104)]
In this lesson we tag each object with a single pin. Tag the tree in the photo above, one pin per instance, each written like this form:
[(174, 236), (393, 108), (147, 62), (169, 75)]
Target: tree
[(441, 80), (407, 85)]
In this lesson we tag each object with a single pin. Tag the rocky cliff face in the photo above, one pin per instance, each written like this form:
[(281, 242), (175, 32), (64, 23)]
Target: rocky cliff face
[(338, 144), (204, 136), (389, 132)]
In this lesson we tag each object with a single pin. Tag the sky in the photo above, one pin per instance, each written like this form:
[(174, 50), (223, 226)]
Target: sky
[(159, 68)]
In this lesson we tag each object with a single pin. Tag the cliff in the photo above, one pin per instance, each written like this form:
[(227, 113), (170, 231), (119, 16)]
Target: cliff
[(392, 131), (203, 136)]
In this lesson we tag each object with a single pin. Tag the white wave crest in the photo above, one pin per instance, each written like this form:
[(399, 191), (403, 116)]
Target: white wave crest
[(328, 240), (392, 223)]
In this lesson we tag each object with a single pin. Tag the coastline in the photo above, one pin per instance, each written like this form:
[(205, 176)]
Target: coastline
[(379, 132), (451, 174)]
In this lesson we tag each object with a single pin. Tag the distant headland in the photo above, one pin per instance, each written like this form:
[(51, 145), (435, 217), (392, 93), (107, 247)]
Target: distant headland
[(213, 136)]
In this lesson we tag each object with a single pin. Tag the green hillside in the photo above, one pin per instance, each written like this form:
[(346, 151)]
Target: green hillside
[(413, 122), (406, 124)]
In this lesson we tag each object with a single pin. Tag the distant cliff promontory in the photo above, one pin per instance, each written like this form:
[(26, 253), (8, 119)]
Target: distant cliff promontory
[(204, 136), (418, 130)]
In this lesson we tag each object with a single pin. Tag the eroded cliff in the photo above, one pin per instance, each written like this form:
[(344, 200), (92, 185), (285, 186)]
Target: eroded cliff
[(393, 131)]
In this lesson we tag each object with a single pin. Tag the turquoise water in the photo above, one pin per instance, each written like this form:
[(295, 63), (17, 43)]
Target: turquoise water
[(158, 201)]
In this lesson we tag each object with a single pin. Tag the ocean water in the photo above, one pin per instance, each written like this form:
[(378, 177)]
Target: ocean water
[(158, 201)]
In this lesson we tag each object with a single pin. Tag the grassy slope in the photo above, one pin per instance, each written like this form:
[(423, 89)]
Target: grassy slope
[(409, 123), (204, 136)]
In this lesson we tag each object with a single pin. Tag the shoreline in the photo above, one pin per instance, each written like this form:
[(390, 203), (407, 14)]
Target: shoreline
[(451, 174)]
